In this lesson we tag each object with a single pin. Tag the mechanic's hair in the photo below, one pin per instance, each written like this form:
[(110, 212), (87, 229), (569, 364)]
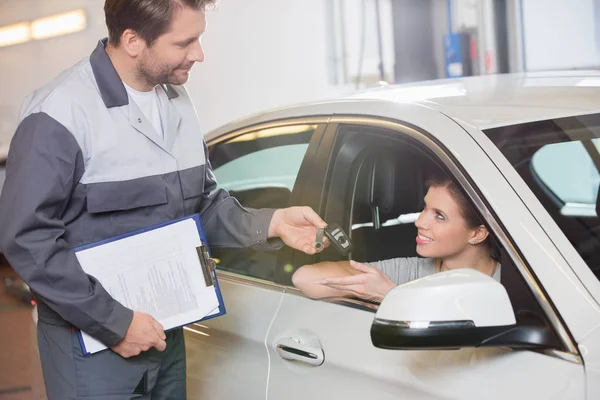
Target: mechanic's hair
[(440, 179), (148, 18)]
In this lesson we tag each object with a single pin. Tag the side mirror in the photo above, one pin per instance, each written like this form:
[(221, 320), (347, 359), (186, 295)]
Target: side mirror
[(449, 310)]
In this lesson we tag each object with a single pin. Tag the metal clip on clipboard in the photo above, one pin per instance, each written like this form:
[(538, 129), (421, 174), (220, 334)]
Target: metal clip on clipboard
[(208, 265)]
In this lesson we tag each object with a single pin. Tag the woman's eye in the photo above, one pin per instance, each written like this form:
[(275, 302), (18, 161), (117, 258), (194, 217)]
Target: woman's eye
[(439, 216)]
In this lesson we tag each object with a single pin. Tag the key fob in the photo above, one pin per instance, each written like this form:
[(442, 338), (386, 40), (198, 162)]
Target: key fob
[(338, 239)]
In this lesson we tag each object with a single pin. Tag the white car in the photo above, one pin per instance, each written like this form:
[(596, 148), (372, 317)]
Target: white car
[(525, 150)]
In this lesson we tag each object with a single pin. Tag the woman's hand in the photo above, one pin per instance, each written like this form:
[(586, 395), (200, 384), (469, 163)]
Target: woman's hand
[(369, 283)]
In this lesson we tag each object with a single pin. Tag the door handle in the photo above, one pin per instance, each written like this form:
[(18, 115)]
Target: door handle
[(291, 349)]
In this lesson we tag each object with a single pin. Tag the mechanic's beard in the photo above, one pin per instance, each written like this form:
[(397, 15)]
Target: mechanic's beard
[(152, 77)]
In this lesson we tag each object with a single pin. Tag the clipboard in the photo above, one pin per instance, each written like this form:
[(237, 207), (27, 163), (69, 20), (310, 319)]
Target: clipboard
[(206, 263)]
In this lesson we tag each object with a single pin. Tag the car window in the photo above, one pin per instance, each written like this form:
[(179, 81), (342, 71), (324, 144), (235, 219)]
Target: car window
[(568, 171), (259, 168), (560, 161), (274, 167)]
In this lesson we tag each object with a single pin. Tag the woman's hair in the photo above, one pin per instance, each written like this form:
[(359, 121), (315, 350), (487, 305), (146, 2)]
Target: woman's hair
[(467, 211)]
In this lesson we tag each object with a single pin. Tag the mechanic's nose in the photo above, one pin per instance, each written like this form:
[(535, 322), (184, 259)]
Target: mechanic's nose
[(197, 53)]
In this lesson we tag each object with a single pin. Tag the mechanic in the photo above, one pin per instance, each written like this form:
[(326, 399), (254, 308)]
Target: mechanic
[(112, 145)]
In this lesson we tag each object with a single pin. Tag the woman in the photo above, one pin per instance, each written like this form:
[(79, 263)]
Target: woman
[(450, 236)]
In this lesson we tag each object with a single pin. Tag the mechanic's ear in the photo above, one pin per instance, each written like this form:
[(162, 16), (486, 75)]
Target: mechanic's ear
[(132, 43)]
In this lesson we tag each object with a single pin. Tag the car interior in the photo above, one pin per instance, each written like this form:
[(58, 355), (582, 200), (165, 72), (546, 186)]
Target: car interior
[(520, 143)]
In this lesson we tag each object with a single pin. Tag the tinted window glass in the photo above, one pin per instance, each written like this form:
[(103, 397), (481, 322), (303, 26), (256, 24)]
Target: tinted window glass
[(259, 169), (560, 161)]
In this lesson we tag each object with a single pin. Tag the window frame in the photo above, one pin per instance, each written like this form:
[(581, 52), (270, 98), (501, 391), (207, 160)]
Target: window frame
[(453, 167)]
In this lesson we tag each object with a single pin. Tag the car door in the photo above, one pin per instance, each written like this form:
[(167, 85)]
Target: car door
[(557, 163), (322, 349), (259, 166)]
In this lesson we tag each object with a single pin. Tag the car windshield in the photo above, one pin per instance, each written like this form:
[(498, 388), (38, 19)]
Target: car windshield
[(559, 160)]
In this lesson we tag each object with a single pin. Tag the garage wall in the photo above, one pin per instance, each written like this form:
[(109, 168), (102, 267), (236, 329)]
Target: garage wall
[(560, 34), (259, 54)]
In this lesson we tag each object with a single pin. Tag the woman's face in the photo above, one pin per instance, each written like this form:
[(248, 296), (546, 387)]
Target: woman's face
[(442, 229)]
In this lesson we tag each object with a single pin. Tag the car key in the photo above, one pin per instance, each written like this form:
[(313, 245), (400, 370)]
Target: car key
[(339, 239), (319, 239)]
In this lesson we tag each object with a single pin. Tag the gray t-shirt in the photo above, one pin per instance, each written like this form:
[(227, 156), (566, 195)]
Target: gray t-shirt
[(402, 270)]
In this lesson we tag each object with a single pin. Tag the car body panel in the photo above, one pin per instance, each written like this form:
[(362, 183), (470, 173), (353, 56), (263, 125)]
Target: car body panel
[(482, 102), (233, 343), (355, 369)]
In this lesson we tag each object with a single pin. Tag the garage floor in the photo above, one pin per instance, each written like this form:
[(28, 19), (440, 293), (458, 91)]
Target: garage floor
[(20, 376)]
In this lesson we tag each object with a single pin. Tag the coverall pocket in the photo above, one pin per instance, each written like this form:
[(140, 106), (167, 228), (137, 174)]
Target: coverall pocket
[(121, 207), (126, 195)]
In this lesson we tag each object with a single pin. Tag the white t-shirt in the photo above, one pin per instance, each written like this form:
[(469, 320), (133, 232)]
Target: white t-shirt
[(149, 104), (402, 270)]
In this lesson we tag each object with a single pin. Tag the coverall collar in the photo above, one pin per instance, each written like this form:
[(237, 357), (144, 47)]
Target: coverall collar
[(111, 87)]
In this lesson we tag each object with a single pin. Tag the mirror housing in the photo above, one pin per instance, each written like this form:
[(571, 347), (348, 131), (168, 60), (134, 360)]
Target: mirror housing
[(449, 310)]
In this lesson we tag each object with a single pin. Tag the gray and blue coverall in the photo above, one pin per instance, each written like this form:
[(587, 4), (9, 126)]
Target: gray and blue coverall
[(85, 165)]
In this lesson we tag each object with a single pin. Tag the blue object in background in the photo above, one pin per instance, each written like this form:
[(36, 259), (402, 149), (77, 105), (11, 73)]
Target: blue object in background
[(453, 55)]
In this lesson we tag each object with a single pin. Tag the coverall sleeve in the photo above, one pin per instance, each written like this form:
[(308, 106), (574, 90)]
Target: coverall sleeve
[(44, 166), (228, 224)]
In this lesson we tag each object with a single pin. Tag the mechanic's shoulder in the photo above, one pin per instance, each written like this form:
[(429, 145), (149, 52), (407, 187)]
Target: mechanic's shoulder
[(64, 94)]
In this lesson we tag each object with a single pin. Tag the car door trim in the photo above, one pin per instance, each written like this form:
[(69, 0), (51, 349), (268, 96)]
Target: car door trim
[(351, 302), (267, 125), (248, 280), (432, 144), (259, 283)]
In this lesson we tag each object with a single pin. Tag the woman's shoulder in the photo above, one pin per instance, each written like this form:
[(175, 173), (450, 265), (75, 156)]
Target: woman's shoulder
[(408, 262)]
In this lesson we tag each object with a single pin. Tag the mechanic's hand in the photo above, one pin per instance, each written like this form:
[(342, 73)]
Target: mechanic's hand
[(297, 227), (144, 333), (369, 283)]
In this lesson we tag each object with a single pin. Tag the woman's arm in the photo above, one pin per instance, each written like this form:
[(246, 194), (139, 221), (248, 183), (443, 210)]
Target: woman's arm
[(305, 278), (343, 278)]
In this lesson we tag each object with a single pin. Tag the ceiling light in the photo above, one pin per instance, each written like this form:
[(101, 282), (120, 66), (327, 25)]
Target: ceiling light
[(14, 34), (60, 24)]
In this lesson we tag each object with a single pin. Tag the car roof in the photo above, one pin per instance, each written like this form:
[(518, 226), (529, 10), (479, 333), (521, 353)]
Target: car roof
[(483, 102)]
